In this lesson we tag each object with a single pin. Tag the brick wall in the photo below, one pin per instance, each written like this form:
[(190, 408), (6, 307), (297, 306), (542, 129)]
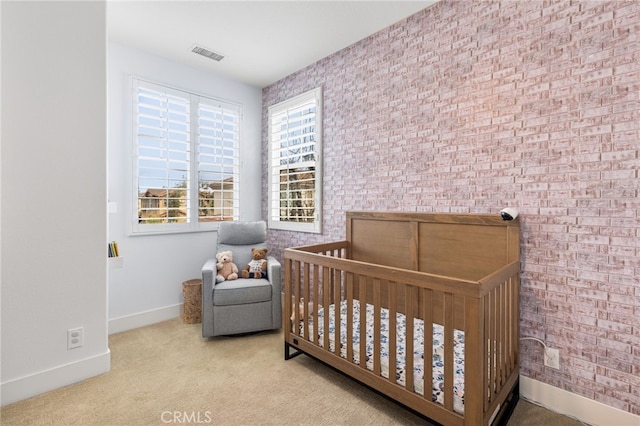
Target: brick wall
[(473, 106)]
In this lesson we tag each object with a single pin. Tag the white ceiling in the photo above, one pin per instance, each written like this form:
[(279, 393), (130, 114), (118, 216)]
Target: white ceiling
[(262, 41)]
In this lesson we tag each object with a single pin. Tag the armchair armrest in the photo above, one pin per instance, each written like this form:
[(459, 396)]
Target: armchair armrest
[(209, 272), (274, 272)]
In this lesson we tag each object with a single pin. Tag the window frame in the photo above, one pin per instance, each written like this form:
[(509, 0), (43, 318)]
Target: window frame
[(273, 184), (192, 223)]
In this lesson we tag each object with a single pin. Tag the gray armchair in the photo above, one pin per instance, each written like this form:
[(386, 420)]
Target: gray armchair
[(242, 305)]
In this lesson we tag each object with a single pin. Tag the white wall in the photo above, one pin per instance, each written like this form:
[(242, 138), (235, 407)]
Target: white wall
[(146, 286), (54, 224)]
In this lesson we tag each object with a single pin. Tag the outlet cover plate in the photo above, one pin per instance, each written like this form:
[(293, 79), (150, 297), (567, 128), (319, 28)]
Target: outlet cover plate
[(75, 338), (552, 358)]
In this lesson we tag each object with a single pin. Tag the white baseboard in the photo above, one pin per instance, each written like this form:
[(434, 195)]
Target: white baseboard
[(570, 404), (129, 322), (45, 381), (48, 380)]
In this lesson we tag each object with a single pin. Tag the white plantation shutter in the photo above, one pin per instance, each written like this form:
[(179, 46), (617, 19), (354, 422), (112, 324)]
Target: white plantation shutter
[(186, 160), (218, 161), (295, 163), (163, 155)]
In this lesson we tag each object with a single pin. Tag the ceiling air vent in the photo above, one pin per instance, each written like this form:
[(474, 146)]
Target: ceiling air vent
[(207, 53)]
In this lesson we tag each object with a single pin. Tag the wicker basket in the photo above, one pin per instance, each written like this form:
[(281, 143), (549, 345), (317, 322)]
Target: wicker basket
[(192, 292)]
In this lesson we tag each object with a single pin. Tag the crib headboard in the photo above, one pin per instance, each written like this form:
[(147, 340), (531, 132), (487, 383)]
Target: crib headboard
[(464, 246)]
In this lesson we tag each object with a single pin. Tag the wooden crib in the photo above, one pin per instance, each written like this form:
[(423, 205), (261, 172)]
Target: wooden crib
[(455, 274)]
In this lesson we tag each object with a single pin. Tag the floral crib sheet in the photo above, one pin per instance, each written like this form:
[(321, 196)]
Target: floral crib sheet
[(418, 359)]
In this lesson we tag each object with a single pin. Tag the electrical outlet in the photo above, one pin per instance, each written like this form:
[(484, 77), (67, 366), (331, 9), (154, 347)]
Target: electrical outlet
[(75, 338), (552, 358)]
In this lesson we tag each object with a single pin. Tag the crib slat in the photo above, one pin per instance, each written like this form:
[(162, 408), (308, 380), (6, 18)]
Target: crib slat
[(325, 305), (496, 339), (393, 339), (296, 292), (486, 348), (376, 326), (509, 327), (491, 343), (475, 361), (448, 351), (363, 320), (427, 315), (502, 349), (495, 342), (410, 302), (338, 316), (317, 303), (338, 282), (349, 295), (306, 296)]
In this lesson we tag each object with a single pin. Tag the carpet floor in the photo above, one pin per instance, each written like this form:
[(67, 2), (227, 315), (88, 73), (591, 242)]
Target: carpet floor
[(167, 374)]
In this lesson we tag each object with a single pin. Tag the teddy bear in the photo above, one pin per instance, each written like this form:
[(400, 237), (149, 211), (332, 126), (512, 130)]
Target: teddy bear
[(227, 270), (257, 267), (301, 308)]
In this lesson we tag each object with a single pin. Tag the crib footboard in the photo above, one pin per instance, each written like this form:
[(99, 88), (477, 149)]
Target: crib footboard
[(444, 347)]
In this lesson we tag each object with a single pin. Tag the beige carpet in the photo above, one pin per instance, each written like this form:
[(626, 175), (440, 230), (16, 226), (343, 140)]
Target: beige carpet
[(167, 374)]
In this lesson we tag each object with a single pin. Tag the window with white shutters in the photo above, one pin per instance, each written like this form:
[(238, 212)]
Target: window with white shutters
[(295, 152), (186, 160)]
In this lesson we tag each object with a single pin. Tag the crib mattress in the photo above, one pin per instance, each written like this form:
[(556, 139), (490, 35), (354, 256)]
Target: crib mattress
[(418, 370)]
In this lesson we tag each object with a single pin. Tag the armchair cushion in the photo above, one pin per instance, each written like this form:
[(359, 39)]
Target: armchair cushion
[(242, 291), (242, 233)]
